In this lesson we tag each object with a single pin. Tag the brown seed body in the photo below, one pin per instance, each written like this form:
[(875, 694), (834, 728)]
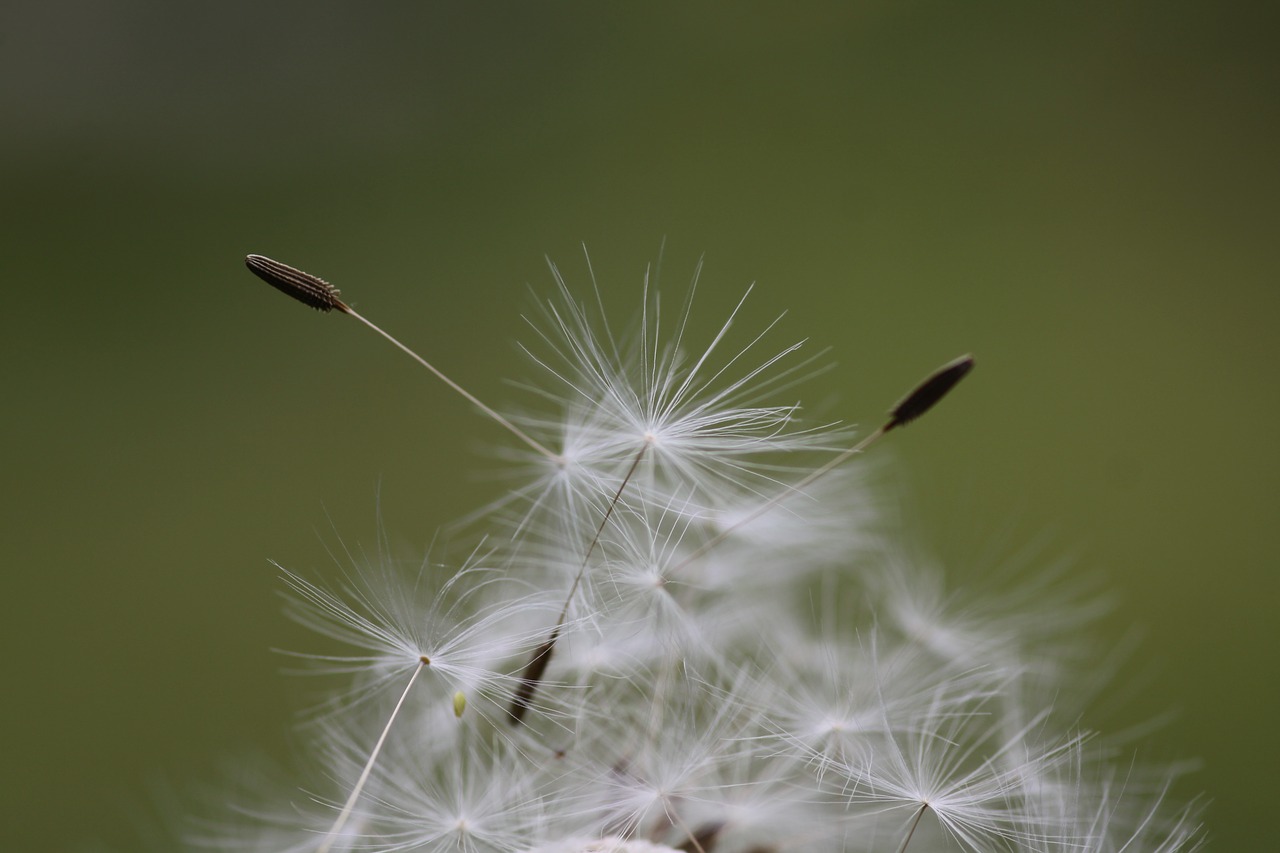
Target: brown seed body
[(302, 286), (531, 677), (929, 392)]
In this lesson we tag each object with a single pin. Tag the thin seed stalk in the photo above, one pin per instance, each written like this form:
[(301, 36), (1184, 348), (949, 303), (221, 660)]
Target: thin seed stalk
[(912, 830), (921, 399), (350, 805), (531, 675), (319, 294)]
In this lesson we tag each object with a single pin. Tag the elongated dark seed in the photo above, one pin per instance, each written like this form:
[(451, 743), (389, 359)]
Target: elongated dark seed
[(929, 392), (531, 677), (302, 286)]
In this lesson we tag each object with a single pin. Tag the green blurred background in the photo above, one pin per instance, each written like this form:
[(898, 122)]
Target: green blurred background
[(1083, 194)]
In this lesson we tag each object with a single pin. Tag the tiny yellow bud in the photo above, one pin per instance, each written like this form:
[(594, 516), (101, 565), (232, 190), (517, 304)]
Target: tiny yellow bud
[(459, 703)]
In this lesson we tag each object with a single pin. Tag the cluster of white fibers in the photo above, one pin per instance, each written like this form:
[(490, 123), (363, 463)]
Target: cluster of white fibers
[(672, 636)]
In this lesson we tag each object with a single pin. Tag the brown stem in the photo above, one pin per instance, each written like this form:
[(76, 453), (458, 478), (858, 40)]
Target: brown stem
[(912, 830)]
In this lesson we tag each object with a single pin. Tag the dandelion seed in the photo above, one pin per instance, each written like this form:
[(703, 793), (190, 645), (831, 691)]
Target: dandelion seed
[(532, 674), (924, 397), (318, 293), (927, 394)]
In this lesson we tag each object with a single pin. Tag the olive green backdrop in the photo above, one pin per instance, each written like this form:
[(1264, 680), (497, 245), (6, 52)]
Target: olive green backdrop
[(1083, 194)]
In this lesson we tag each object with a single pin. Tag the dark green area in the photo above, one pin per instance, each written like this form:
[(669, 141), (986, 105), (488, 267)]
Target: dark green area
[(1082, 194)]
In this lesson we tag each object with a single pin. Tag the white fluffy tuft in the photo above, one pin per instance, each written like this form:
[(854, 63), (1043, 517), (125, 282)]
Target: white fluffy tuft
[(709, 650)]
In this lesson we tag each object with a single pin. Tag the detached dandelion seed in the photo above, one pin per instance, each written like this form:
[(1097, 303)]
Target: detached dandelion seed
[(302, 286), (318, 293), (924, 397), (929, 392)]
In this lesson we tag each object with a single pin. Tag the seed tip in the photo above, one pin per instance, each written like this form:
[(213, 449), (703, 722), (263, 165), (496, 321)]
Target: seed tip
[(929, 392), (302, 286)]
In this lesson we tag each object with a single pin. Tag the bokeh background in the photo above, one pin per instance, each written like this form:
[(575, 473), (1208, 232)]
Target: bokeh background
[(1083, 194)]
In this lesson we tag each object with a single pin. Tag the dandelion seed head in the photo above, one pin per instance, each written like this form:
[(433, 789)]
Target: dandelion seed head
[(710, 641)]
